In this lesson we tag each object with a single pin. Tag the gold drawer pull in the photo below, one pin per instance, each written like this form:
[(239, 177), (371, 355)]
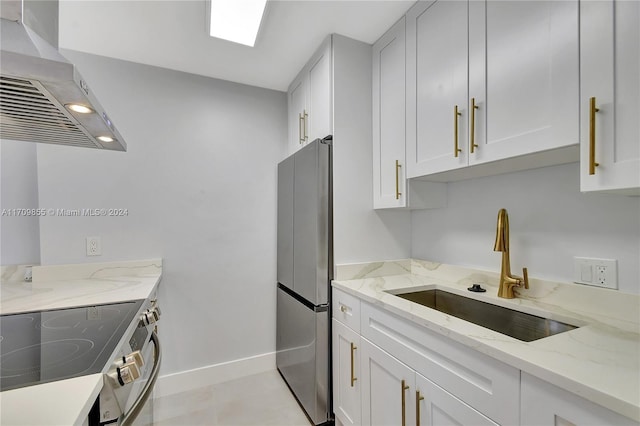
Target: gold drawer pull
[(398, 193), (306, 116), (456, 114), (473, 145), (353, 372), (404, 403), (592, 136), (418, 399)]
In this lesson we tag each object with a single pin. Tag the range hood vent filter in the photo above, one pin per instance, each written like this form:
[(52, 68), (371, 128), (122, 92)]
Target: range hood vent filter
[(29, 112)]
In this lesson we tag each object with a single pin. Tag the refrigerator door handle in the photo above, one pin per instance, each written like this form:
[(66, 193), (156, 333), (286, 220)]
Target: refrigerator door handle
[(316, 308)]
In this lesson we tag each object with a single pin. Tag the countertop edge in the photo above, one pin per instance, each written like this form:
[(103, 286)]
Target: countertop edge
[(71, 411)]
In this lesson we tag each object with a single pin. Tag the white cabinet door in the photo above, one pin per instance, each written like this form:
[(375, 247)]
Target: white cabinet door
[(543, 404), (346, 374), (388, 388), (319, 103), (437, 78), (310, 103), (523, 75), (389, 166), (297, 112), (610, 73), (437, 407)]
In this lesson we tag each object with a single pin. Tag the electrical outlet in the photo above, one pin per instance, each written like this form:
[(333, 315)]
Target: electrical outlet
[(94, 246), (596, 272), (94, 313)]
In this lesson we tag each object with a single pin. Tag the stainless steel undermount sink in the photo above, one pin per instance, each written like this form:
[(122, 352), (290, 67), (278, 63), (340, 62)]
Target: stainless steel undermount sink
[(519, 325)]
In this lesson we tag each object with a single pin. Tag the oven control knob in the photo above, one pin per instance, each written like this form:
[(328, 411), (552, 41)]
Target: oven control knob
[(136, 358), (128, 373), (155, 311), (148, 318)]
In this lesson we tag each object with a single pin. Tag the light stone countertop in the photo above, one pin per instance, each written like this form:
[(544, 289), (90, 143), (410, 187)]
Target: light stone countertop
[(599, 361), (67, 402)]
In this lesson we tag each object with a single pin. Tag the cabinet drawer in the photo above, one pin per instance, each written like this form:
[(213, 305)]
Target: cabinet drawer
[(477, 379), (346, 309)]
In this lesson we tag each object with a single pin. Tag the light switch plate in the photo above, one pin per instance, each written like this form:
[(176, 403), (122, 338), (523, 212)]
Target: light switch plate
[(596, 272)]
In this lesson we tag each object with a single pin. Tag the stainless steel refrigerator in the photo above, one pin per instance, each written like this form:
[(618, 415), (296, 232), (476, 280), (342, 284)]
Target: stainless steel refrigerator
[(305, 270)]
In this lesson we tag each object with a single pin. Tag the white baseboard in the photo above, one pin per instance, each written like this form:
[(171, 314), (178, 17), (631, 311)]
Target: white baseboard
[(212, 374)]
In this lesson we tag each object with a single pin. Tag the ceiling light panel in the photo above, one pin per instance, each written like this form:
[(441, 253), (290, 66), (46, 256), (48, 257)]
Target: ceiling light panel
[(236, 20)]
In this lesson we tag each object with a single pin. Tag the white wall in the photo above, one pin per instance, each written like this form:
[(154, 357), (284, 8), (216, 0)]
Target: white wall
[(361, 233), (199, 183), (550, 222), (19, 235)]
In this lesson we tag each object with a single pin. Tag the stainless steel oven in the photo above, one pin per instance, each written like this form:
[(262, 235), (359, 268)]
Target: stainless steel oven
[(127, 394), (118, 340)]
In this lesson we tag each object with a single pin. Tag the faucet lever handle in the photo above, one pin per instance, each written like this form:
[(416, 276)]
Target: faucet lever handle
[(525, 277)]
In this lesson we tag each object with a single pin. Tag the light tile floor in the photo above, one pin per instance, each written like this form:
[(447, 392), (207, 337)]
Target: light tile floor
[(258, 400)]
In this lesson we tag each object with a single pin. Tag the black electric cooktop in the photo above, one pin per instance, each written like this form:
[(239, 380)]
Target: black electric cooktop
[(40, 347)]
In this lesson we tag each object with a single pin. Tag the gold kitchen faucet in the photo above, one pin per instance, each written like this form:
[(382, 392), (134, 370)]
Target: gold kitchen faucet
[(507, 281)]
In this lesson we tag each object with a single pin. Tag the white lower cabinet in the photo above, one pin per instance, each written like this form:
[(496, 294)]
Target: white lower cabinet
[(544, 404), (395, 372), (435, 406), (478, 380), (388, 387), (346, 374), (394, 394)]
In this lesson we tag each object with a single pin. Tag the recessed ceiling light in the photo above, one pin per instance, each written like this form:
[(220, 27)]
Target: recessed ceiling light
[(236, 20), (106, 138), (79, 108)]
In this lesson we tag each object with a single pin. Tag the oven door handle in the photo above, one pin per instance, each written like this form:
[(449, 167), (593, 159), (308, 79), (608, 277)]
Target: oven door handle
[(129, 418)]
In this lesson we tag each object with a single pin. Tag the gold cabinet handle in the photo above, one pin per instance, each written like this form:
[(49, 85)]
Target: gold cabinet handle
[(418, 399), (300, 127), (398, 193), (404, 403), (456, 114), (592, 136), (353, 372), (473, 145), (343, 308), (306, 116)]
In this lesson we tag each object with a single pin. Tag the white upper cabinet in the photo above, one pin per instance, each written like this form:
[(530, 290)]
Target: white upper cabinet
[(297, 112), (391, 189), (319, 103), (523, 75), (310, 106), (489, 81), (389, 119), (610, 75), (437, 87)]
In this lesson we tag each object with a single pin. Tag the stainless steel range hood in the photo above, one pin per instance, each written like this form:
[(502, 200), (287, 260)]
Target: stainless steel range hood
[(39, 87)]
